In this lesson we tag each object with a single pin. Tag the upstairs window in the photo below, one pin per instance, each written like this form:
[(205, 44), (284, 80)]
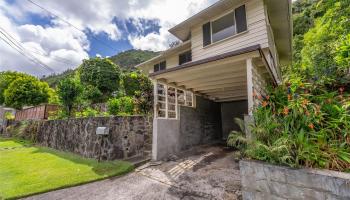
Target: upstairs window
[(223, 27), (226, 26), (185, 57), (160, 66)]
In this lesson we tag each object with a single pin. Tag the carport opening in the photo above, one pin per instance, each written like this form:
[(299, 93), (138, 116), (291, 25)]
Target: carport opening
[(210, 121), (200, 120), (197, 104)]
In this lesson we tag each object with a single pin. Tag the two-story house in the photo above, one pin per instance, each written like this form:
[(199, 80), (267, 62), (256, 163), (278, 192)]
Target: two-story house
[(230, 52)]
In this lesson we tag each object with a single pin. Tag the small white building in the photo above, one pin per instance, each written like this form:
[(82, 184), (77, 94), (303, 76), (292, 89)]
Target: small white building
[(229, 53)]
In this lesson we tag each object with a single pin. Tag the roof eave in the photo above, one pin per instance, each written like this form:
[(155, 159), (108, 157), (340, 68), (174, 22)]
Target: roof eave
[(282, 31), (166, 52)]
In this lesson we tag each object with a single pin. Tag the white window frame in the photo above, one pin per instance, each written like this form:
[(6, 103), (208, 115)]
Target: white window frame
[(158, 63), (156, 100), (211, 26), (156, 83), (226, 13)]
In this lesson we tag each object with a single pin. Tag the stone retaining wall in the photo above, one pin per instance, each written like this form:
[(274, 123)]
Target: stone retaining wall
[(128, 136), (264, 181)]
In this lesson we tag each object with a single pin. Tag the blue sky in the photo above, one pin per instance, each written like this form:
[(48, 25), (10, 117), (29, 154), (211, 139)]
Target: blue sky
[(38, 42), (127, 27)]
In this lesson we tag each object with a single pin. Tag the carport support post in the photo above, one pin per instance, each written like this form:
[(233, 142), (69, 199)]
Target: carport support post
[(155, 130), (248, 119), (250, 86)]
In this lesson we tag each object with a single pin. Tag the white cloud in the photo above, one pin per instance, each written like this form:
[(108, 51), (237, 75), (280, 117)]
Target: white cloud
[(169, 13), (59, 47), (152, 41), (57, 40), (98, 16)]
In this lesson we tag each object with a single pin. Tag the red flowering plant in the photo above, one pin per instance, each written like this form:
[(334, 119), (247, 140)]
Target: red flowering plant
[(302, 124)]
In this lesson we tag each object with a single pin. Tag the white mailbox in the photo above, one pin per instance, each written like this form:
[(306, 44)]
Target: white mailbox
[(102, 130)]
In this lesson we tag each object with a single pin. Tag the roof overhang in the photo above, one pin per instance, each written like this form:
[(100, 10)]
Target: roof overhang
[(220, 78), (179, 48), (280, 16), (183, 30)]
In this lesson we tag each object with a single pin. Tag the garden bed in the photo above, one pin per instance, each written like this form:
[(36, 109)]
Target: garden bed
[(265, 181)]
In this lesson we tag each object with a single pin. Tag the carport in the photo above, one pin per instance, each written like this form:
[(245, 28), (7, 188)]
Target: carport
[(195, 103)]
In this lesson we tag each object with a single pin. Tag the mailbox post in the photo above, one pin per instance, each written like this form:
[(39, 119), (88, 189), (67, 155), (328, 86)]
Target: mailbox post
[(101, 132)]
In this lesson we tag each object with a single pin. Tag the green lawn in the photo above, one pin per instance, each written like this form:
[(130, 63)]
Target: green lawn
[(26, 169)]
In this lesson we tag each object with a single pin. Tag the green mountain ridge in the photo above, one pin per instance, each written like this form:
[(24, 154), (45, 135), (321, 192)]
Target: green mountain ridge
[(126, 60)]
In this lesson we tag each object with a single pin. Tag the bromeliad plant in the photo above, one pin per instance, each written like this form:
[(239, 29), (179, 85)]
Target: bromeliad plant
[(300, 124)]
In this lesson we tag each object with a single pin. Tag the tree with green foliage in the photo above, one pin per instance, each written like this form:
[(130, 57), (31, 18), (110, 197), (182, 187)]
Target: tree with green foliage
[(53, 97), (322, 42), (26, 91), (140, 87), (102, 76), (69, 91), (6, 78)]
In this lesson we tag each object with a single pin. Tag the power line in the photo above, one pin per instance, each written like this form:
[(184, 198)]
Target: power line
[(30, 59), (67, 22), (57, 58), (20, 50)]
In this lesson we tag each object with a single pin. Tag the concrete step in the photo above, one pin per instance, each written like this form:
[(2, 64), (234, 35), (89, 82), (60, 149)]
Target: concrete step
[(139, 160)]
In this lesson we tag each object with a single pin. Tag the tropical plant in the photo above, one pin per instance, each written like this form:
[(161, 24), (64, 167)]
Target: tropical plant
[(300, 124), (69, 91), (238, 139)]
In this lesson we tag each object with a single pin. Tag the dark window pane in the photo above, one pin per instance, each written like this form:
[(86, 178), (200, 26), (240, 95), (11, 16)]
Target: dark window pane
[(223, 27), (156, 67), (162, 65), (241, 19), (185, 57), (206, 34)]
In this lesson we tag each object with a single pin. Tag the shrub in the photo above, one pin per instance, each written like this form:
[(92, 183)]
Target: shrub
[(121, 106), (88, 112), (58, 114), (140, 87), (9, 116), (24, 129), (300, 124)]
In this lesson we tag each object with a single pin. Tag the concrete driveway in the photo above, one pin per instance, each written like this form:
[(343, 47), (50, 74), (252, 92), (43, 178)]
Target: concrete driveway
[(205, 172)]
